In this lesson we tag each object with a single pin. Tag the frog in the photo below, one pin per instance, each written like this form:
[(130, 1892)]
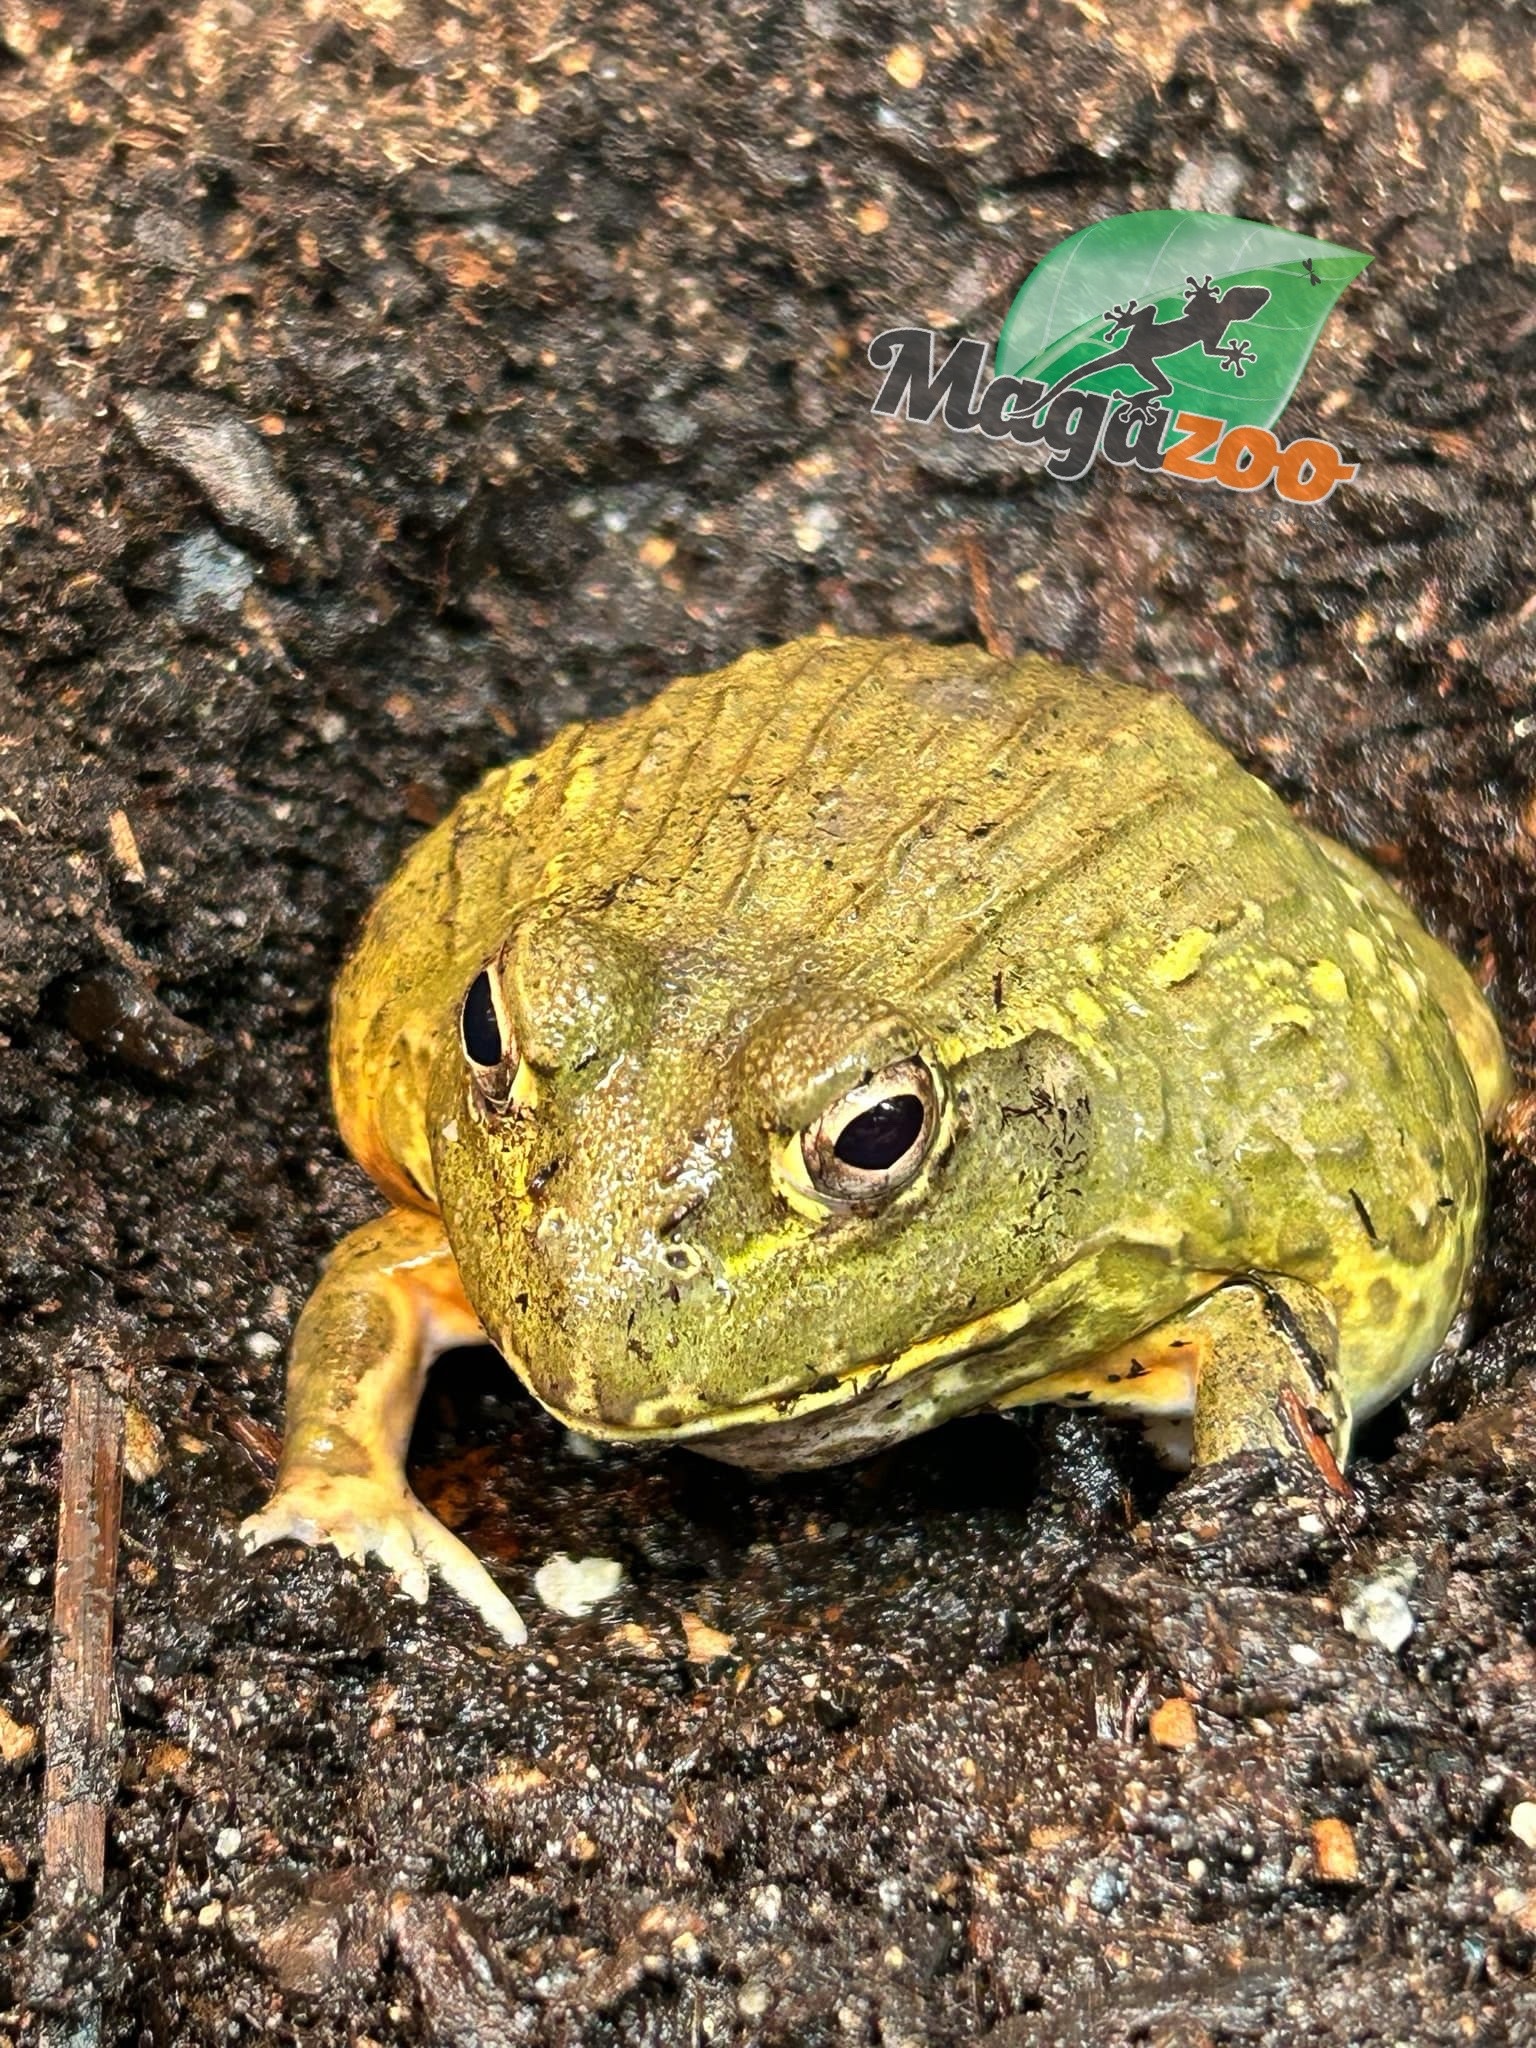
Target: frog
[(869, 1033)]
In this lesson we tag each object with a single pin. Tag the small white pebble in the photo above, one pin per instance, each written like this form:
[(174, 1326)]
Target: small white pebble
[(227, 1843), (1377, 1611), (752, 1999), (262, 1344), (1304, 1655), (816, 527), (1195, 1869), (1522, 1822), (1310, 1525), (574, 1586), (211, 1914), (767, 1901)]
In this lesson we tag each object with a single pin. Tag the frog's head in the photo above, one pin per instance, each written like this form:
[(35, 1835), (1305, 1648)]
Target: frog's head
[(688, 1191)]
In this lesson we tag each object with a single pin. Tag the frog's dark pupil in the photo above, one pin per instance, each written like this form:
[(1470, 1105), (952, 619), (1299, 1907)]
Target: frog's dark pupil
[(482, 1034), (882, 1135)]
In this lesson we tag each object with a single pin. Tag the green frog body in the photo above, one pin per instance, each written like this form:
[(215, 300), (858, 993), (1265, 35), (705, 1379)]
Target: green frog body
[(865, 1034)]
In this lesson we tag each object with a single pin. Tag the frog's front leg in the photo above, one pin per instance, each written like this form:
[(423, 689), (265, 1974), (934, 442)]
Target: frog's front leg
[(1255, 1362), (389, 1300), (1267, 1373)]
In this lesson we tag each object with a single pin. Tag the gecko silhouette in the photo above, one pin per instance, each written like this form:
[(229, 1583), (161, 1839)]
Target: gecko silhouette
[(1206, 317)]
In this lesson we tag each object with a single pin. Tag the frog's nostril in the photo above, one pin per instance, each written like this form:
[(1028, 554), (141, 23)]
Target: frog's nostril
[(678, 1215)]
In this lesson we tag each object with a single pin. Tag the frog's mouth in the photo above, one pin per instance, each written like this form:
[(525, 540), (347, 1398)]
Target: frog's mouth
[(948, 1357)]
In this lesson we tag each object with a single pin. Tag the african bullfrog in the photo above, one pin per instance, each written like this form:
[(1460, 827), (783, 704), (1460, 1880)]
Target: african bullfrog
[(869, 1033)]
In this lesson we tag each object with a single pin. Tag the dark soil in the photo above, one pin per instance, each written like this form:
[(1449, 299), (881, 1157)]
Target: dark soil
[(384, 385)]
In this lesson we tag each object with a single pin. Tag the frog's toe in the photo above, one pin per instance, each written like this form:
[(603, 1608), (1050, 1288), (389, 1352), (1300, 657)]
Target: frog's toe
[(439, 1550), (364, 1518)]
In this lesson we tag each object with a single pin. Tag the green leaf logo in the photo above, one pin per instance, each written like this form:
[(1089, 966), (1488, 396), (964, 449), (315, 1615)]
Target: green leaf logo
[(1199, 312)]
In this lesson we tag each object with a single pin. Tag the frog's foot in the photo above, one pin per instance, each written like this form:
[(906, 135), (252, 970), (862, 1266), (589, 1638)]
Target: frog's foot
[(369, 1517)]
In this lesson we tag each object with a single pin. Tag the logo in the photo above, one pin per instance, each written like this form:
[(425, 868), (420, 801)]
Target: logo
[(1171, 341)]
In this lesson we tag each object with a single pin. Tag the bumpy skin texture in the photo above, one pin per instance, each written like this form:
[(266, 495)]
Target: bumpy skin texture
[(1178, 1039)]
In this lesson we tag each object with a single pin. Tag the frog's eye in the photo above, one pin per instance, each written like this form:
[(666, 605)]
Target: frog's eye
[(872, 1140), (489, 1047)]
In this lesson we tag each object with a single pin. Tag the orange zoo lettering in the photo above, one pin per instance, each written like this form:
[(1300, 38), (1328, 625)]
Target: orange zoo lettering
[(1200, 432), (1246, 458), (1308, 471)]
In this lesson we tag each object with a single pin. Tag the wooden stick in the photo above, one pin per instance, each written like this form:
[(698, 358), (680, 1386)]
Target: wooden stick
[(993, 637), (82, 1730)]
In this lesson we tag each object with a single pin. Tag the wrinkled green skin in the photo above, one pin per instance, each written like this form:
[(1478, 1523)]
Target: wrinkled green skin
[(1179, 1037)]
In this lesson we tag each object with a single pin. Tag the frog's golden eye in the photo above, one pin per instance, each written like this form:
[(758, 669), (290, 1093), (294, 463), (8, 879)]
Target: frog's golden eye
[(872, 1140), (489, 1047)]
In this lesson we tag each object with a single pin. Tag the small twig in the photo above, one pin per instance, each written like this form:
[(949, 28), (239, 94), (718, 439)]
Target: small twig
[(1300, 1426), (82, 1726), (994, 636)]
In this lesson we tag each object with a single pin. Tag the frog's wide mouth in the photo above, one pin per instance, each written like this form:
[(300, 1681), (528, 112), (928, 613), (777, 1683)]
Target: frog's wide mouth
[(670, 1416)]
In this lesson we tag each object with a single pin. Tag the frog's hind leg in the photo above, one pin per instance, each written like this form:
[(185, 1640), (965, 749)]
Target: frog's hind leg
[(1250, 1366), (388, 1302), (1268, 1378)]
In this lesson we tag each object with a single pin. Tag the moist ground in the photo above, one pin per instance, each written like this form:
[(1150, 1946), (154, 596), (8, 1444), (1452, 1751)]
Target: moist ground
[(385, 386)]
